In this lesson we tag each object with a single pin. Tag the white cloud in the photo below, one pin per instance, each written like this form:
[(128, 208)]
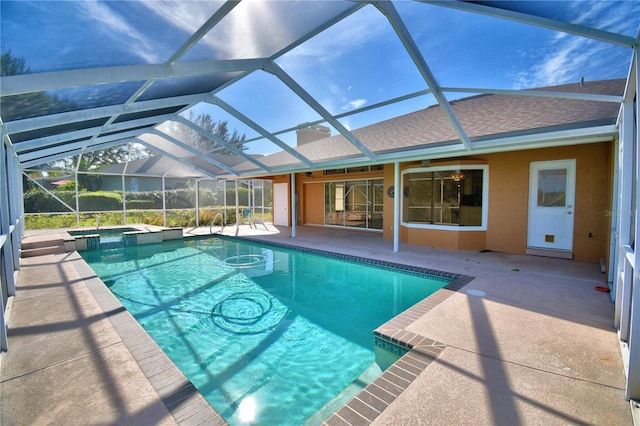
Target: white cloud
[(112, 23), (335, 100), (566, 58), (342, 39), (357, 103)]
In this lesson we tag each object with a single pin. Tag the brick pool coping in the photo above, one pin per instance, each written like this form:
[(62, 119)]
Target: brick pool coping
[(188, 406), (179, 395)]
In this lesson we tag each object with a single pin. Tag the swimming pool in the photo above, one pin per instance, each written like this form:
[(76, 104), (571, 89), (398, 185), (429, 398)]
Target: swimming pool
[(268, 335)]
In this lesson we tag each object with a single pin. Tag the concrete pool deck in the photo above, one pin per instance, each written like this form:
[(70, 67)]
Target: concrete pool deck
[(528, 341)]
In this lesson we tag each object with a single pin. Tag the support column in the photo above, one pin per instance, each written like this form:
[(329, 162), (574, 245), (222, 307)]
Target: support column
[(7, 283), (238, 218), (5, 224), (633, 372), (294, 205), (76, 190), (396, 206), (622, 212), (197, 203), (15, 204)]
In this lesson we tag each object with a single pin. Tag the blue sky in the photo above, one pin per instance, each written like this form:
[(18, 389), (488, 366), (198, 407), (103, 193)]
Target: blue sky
[(356, 63)]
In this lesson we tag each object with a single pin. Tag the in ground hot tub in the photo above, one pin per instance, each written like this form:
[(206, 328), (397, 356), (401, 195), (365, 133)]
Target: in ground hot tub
[(110, 238)]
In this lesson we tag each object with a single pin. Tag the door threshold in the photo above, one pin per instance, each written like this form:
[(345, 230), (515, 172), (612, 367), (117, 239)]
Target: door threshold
[(560, 254)]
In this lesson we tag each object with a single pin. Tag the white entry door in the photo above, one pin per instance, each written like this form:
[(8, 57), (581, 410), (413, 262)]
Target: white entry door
[(551, 205), (281, 204)]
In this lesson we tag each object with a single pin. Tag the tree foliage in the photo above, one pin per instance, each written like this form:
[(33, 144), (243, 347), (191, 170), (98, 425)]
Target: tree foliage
[(12, 65), (30, 104), (113, 155), (218, 128), (43, 103)]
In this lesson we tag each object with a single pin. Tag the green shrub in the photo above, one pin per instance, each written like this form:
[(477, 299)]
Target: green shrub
[(152, 198), (180, 198), (49, 221), (147, 217), (208, 215), (39, 201), (69, 186), (106, 219), (100, 201), (140, 204), (181, 218), (207, 197)]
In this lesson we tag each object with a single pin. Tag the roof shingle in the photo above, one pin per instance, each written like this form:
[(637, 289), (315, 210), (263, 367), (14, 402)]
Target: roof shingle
[(482, 117)]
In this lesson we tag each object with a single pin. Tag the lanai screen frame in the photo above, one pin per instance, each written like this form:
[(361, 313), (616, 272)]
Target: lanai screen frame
[(260, 206), (45, 148)]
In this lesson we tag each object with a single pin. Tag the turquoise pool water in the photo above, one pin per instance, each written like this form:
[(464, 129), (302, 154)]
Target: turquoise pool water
[(103, 232), (268, 335)]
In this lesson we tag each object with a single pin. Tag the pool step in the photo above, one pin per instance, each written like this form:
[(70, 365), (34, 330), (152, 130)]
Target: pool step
[(40, 248)]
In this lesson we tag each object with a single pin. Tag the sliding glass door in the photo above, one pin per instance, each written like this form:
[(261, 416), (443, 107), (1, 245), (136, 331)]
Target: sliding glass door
[(355, 204)]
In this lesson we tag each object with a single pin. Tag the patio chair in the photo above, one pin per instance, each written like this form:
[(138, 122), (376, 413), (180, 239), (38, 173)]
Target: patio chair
[(247, 217), (257, 221)]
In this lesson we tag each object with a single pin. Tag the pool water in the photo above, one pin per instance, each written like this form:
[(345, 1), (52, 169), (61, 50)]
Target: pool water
[(103, 232), (268, 335)]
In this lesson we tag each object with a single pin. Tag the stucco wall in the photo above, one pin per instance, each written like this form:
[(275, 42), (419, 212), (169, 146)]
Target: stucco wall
[(509, 192), (313, 212), (508, 202)]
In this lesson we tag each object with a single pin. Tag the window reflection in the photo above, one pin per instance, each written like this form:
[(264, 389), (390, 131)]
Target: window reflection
[(552, 188), (443, 197), (356, 204)]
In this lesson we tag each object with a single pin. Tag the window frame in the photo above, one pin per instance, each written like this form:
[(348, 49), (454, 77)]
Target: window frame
[(452, 167)]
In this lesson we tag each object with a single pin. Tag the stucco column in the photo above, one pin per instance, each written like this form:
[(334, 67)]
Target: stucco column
[(294, 205), (396, 206)]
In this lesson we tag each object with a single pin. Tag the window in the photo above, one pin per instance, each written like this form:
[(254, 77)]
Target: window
[(445, 197), (552, 188)]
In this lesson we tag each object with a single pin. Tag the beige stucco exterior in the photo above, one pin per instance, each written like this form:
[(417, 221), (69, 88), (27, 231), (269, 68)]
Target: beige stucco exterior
[(507, 220)]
